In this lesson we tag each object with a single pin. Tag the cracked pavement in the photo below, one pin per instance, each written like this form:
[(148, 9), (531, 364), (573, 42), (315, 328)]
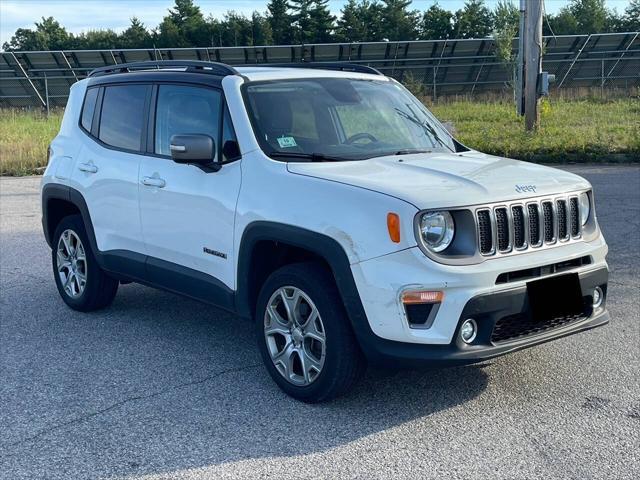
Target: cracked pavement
[(159, 386)]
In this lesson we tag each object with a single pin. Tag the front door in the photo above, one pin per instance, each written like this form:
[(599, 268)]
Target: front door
[(187, 214)]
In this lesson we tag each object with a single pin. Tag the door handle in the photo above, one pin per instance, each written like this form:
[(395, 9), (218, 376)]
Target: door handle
[(88, 167), (154, 182)]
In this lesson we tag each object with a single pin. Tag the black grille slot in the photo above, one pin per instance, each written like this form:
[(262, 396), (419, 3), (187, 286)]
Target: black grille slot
[(502, 225), (574, 217), (518, 226), (484, 232), (519, 325), (418, 314), (534, 224), (547, 213), (563, 228)]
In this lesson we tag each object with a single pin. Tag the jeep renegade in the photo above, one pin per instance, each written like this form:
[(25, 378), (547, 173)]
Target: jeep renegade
[(327, 204)]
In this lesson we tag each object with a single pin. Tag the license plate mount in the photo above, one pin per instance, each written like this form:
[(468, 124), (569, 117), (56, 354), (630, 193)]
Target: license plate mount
[(555, 297)]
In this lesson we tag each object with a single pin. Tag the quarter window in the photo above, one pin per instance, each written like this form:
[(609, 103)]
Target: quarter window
[(185, 110), (122, 116), (88, 108)]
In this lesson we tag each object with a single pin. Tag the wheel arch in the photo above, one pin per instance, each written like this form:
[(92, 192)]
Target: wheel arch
[(59, 201), (318, 246)]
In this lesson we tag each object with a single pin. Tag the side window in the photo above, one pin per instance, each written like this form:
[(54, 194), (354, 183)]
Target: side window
[(183, 109), (88, 108), (122, 116), (230, 149)]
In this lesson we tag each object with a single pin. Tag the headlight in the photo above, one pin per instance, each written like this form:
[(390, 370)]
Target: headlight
[(585, 207), (436, 230)]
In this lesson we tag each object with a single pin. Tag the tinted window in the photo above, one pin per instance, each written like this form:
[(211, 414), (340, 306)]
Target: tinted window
[(185, 110), (88, 108), (122, 116), (228, 135)]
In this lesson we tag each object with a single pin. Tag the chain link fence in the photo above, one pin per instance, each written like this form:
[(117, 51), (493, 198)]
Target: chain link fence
[(606, 65)]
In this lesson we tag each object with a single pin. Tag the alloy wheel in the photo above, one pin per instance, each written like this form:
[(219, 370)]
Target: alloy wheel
[(295, 335), (71, 263)]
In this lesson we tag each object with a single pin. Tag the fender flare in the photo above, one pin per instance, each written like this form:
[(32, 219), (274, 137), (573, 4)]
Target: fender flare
[(51, 191), (323, 246)]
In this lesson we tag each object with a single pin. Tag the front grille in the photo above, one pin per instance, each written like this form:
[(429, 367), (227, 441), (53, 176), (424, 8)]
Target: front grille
[(518, 227), (519, 325), (534, 224), (563, 228), (549, 223), (503, 228), (502, 224), (573, 217), (484, 232)]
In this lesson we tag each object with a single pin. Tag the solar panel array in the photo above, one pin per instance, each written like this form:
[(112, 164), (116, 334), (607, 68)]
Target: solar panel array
[(438, 67)]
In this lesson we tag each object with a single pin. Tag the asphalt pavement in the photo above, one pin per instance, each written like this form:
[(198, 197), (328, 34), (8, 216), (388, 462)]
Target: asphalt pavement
[(159, 386)]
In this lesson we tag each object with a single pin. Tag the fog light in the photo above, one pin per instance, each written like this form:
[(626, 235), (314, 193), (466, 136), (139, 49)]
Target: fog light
[(598, 296), (469, 330)]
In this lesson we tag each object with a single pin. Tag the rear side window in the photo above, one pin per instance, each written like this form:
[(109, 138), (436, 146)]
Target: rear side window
[(88, 108), (122, 116), (185, 110)]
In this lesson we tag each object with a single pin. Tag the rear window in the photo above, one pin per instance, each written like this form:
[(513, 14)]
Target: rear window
[(88, 108), (122, 116)]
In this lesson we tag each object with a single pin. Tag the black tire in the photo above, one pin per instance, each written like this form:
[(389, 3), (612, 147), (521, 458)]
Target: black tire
[(344, 362), (100, 289)]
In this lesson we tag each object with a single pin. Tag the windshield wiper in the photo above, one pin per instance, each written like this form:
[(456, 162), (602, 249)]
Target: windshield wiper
[(409, 151), (313, 157), (424, 125)]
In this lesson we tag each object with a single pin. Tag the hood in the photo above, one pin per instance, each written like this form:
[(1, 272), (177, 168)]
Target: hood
[(439, 180)]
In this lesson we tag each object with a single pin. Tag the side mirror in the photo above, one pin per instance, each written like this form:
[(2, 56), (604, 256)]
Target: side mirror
[(196, 149)]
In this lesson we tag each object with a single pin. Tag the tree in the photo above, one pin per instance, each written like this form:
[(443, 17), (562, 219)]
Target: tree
[(301, 20), (564, 23), (474, 20), (261, 33), (48, 35), (506, 18), (184, 26), (136, 36), (97, 40), (437, 23), (631, 20), (322, 22), (591, 15), (280, 21), (398, 23)]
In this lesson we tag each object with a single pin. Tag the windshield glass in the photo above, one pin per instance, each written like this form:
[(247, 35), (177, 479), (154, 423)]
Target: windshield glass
[(341, 119)]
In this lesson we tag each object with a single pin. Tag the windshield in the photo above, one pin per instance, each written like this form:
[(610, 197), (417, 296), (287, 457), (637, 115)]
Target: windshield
[(332, 119)]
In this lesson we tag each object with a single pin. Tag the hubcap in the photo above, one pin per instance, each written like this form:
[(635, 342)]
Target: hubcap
[(295, 335), (71, 263)]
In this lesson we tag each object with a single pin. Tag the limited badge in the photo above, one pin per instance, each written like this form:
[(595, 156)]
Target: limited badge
[(287, 142)]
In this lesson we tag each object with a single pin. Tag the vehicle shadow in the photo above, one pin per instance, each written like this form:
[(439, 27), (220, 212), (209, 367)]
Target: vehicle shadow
[(159, 384)]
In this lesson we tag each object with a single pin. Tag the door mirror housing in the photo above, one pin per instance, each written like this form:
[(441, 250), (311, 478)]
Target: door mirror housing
[(194, 149)]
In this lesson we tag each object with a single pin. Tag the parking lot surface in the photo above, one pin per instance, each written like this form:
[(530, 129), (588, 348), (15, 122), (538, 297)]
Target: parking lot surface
[(159, 386)]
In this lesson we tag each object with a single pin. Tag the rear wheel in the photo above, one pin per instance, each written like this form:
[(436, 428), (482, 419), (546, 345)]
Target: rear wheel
[(82, 284), (304, 334)]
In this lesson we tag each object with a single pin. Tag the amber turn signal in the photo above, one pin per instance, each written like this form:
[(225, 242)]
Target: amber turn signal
[(422, 296), (393, 225)]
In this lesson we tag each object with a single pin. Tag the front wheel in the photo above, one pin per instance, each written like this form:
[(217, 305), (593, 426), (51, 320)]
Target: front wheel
[(82, 284), (304, 334)]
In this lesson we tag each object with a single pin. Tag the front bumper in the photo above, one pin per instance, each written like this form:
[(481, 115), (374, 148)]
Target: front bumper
[(487, 310)]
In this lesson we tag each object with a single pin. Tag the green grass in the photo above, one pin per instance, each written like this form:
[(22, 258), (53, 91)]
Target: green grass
[(571, 131), (24, 138)]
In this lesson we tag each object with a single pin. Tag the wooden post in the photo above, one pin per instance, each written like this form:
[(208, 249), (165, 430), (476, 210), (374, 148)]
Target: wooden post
[(533, 61), (519, 93)]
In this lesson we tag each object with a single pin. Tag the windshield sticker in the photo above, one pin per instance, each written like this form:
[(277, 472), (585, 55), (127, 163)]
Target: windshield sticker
[(287, 142)]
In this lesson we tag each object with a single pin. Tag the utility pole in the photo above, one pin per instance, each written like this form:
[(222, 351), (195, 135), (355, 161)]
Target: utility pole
[(530, 61)]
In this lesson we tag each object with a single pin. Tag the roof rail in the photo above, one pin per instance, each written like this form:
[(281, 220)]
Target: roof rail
[(343, 67), (213, 68)]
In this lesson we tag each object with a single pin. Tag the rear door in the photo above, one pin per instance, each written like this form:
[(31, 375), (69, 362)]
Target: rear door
[(114, 119), (188, 214)]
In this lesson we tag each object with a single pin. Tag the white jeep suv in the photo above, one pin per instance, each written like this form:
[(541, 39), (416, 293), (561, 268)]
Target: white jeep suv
[(327, 204)]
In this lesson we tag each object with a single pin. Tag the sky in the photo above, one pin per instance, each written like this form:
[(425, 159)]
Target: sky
[(82, 15)]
